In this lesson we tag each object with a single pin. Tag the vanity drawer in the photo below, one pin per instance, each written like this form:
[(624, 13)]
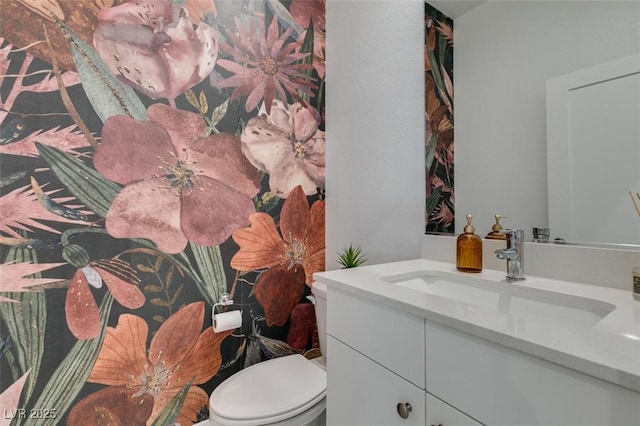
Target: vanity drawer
[(500, 386), (390, 337), (361, 392)]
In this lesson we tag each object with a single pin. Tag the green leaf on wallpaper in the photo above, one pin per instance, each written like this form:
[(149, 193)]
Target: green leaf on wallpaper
[(320, 97), (90, 188), (435, 72), (443, 47), (432, 200), (71, 375), (213, 279), (284, 17), (430, 151), (219, 112), (170, 412), (107, 95), (25, 323), (307, 46)]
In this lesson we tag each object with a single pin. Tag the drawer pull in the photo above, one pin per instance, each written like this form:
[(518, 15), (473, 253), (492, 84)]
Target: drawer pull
[(404, 408)]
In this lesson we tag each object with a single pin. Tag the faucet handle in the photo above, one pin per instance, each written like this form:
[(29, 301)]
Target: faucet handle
[(514, 236), (518, 234)]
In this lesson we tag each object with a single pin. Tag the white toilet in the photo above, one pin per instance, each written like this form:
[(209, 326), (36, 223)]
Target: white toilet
[(285, 391)]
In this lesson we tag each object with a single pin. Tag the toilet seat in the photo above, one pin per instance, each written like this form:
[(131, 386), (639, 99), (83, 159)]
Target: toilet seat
[(269, 392)]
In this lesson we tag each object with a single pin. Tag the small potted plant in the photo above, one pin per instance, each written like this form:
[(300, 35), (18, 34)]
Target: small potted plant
[(351, 257)]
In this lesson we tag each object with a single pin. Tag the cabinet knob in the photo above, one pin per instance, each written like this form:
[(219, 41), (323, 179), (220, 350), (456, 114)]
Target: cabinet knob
[(404, 408)]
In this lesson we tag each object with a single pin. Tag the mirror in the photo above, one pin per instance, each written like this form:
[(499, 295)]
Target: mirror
[(504, 54), (584, 157)]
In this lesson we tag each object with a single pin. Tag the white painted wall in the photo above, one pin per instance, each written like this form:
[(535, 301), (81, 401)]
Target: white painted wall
[(503, 54), (375, 128)]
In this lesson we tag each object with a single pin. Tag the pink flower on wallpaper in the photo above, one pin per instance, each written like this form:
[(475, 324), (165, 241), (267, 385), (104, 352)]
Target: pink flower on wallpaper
[(287, 145), (81, 310), (180, 184), (67, 139), (265, 67), (21, 210), (17, 277), (10, 397), (152, 46)]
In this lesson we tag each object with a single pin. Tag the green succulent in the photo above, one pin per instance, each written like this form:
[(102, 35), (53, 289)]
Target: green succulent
[(351, 257)]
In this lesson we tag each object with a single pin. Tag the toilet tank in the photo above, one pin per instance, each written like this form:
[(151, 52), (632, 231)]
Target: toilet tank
[(319, 291)]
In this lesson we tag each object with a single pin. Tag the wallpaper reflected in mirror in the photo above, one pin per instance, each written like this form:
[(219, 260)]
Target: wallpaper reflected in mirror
[(439, 158)]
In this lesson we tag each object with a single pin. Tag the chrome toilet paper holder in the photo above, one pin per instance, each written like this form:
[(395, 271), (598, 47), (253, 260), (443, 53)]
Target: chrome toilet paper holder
[(223, 321), (223, 300)]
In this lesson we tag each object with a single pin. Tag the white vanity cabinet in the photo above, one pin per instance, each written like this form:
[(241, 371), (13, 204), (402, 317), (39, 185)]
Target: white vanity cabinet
[(380, 356)]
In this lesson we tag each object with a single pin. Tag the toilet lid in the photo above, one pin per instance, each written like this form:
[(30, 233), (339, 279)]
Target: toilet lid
[(275, 389)]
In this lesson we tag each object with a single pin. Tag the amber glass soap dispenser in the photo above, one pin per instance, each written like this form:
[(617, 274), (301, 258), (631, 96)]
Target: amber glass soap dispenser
[(496, 230), (469, 249)]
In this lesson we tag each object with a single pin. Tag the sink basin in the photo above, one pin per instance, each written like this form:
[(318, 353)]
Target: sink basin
[(514, 300)]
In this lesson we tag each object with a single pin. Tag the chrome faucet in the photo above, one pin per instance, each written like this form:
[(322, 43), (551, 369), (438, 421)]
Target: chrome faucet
[(514, 253)]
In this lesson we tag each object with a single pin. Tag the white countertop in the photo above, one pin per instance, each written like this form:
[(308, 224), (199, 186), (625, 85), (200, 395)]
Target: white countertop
[(609, 350)]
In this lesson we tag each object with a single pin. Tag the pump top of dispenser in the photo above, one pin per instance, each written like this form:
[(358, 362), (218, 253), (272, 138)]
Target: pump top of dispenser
[(496, 230), (469, 229)]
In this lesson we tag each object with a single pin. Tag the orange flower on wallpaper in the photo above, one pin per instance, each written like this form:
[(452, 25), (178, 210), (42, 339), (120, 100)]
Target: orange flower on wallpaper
[(291, 255), (141, 383)]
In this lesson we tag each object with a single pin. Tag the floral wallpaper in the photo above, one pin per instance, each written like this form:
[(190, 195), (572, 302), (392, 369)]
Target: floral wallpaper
[(438, 63), (154, 155)]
